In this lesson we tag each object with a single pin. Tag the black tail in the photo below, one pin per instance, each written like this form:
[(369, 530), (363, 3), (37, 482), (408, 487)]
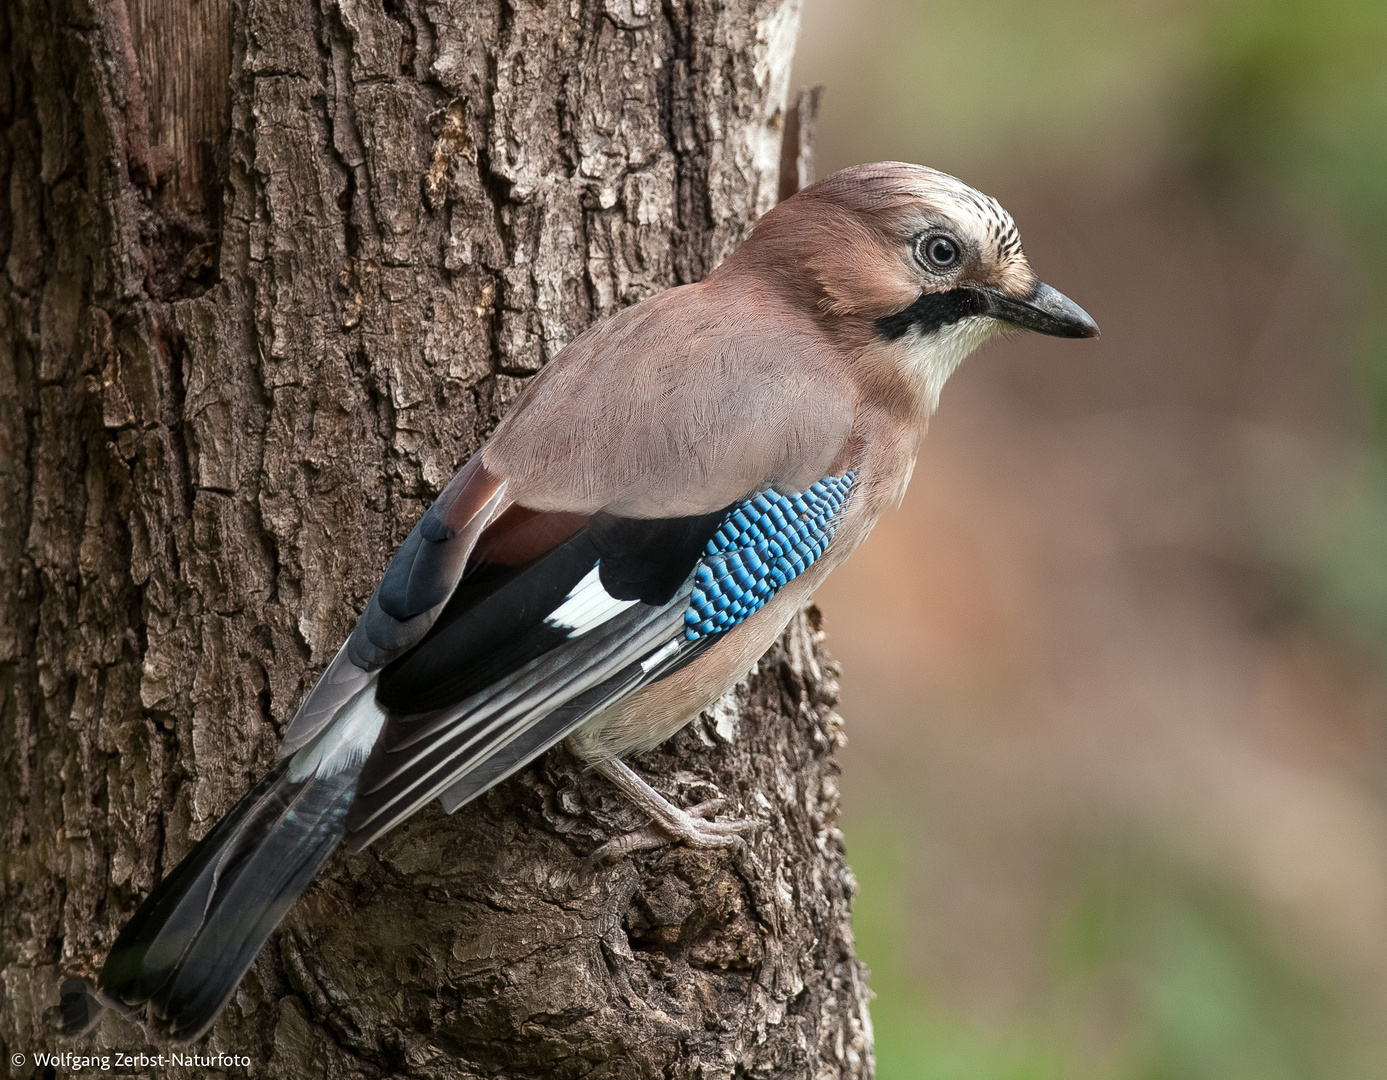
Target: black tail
[(188, 945)]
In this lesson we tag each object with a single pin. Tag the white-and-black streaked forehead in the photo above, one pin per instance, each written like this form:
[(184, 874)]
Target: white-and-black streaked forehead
[(922, 197), (994, 223)]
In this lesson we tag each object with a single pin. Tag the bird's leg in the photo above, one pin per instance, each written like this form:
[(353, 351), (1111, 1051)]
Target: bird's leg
[(668, 822)]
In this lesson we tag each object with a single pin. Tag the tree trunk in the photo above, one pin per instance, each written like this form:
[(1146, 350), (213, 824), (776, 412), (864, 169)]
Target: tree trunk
[(273, 269)]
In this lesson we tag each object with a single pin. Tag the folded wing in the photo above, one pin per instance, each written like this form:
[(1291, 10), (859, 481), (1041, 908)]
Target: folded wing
[(521, 656)]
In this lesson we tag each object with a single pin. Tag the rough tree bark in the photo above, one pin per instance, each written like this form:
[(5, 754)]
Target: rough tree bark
[(273, 269)]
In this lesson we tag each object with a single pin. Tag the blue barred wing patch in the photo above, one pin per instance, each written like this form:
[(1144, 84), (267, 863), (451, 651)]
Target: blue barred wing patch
[(760, 545)]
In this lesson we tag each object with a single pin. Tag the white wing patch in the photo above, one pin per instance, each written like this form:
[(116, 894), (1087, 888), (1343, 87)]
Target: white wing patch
[(346, 741), (587, 606), (658, 657)]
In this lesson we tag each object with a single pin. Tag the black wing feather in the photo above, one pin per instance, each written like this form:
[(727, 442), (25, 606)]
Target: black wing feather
[(648, 559), (494, 624), (497, 681), (418, 758), (560, 722), (419, 580)]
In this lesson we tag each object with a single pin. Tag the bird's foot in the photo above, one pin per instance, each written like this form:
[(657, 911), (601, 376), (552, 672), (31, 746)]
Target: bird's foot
[(669, 824)]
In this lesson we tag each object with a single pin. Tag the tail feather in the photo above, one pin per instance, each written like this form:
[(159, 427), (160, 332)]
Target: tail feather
[(197, 933), (163, 926)]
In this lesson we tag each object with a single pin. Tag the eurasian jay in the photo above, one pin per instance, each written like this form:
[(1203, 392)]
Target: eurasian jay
[(637, 532)]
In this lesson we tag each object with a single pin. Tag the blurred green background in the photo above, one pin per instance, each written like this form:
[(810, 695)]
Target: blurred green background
[(1115, 677)]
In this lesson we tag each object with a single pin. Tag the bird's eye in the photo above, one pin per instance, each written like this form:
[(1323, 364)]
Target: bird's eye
[(940, 252)]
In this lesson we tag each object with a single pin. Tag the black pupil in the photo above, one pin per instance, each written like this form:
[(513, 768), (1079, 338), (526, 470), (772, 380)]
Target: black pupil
[(942, 252)]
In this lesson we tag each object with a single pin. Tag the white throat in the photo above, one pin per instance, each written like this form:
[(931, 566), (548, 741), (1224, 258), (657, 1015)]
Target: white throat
[(930, 358)]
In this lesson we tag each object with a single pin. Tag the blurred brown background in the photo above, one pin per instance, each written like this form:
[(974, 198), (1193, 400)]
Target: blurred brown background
[(1116, 674)]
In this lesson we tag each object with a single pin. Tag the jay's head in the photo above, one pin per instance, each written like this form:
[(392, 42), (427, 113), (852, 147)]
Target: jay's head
[(911, 261)]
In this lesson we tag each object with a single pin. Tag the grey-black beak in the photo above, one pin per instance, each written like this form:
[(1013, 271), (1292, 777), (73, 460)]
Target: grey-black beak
[(1044, 310)]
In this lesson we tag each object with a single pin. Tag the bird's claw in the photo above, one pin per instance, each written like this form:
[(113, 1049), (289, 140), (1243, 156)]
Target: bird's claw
[(669, 824), (695, 831)]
